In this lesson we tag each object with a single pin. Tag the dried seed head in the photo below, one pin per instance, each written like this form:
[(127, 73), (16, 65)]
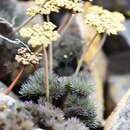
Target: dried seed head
[(24, 57)]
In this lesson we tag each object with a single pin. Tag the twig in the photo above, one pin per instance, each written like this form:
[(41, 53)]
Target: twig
[(46, 80), (9, 89), (9, 40), (25, 45), (16, 41), (85, 49)]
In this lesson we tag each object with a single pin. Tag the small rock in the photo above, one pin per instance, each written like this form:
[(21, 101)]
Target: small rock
[(7, 99)]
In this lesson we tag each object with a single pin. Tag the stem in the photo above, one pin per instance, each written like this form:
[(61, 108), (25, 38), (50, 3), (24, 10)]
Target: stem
[(50, 58), (99, 48), (24, 24), (86, 48), (27, 21), (9, 89), (50, 51), (66, 23), (46, 82), (16, 41), (9, 40)]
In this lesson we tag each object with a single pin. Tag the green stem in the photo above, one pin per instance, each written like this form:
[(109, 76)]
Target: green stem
[(9, 89), (46, 80), (85, 49)]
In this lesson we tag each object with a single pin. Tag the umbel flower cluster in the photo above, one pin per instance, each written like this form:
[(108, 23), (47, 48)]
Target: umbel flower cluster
[(104, 21), (48, 6), (24, 57), (40, 34)]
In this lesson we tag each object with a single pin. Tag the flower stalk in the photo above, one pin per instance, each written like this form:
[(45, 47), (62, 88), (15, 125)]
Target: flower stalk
[(50, 51), (85, 49), (66, 23), (27, 21), (12, 85), (46, 80)]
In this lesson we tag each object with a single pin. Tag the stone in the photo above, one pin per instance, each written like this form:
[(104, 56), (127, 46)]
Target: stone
[(9, 101), (120, 117), (3, 87)]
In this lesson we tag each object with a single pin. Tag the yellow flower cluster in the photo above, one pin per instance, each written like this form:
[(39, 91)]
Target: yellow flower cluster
[(74, 5), (40, 34), (104, 21), (24, 57), (48, 6)]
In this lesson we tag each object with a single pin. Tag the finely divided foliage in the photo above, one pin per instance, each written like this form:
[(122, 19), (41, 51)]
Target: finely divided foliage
[(71, 94), (46, 115)]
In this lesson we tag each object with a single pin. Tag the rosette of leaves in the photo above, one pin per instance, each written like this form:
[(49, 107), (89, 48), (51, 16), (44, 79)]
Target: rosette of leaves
[(71, 94)]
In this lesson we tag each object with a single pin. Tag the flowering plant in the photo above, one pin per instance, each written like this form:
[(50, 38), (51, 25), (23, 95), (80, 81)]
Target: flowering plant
[(70, 93)]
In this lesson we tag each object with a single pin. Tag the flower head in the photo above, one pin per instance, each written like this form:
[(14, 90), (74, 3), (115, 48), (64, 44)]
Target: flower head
[(74, 5), (40, 34), (24, 57), (48, 6), (104, 21)]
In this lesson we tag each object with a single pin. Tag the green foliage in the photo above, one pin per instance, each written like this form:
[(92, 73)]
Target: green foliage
[(71, 94), (81, 108)]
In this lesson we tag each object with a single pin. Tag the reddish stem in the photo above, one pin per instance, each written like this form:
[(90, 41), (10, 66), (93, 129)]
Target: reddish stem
[(66, 23), (12, 85)]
